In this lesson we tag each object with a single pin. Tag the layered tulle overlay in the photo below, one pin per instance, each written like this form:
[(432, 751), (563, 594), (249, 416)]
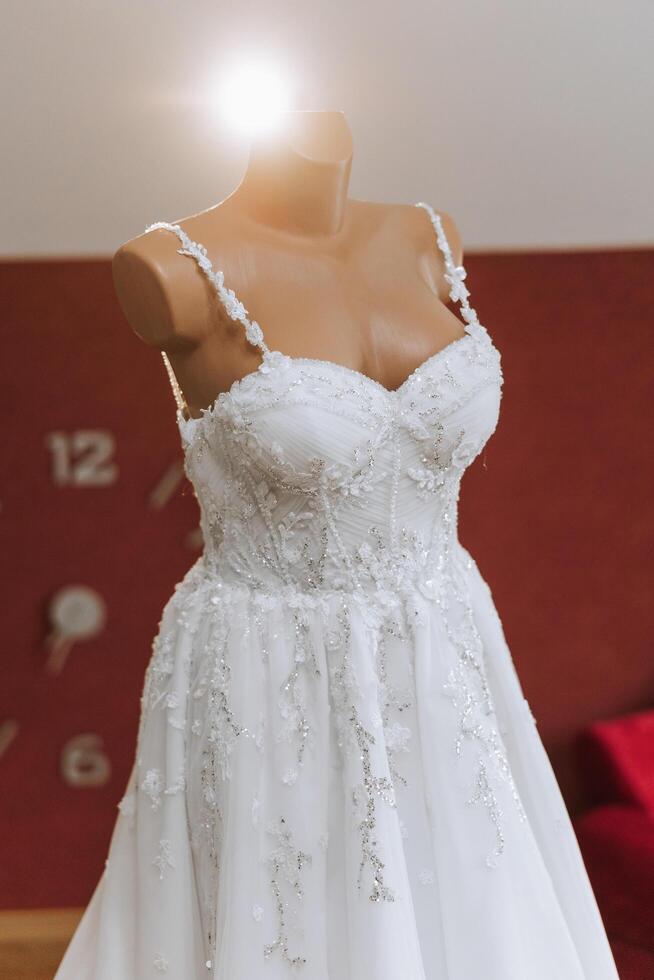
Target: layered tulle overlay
[(337, 774), (293, 846)]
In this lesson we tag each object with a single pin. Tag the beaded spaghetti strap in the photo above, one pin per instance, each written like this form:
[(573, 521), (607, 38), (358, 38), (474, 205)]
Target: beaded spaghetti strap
[(454, 274), (230, 301)]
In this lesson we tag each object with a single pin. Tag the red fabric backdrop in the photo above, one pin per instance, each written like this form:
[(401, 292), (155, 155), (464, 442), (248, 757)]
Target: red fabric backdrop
[(555, 511)]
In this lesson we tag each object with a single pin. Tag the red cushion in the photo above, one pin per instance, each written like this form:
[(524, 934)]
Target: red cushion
[(617, 758)]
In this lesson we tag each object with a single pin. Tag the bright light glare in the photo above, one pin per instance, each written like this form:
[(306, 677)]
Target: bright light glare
[(252, 98)]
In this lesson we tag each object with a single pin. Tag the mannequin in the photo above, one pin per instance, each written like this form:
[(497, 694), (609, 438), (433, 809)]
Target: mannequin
[(331, 677), (325, 276)]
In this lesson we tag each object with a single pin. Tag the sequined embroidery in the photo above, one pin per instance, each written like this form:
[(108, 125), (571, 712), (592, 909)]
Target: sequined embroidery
[(323, 494)]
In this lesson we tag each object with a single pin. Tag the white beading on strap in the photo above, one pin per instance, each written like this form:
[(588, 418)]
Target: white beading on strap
[(454, 274), (228, 298), (174, 383)]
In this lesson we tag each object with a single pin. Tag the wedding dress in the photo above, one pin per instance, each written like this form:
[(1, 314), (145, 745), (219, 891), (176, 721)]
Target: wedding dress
[(337, 775)]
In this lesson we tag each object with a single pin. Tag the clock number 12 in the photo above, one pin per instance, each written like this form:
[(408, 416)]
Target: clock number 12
[(83, 458)]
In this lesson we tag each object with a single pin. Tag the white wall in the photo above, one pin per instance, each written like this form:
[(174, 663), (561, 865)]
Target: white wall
[(530, 122)]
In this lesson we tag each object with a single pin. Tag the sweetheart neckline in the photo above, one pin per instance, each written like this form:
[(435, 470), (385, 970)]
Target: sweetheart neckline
[(237, 311), (389, 393)]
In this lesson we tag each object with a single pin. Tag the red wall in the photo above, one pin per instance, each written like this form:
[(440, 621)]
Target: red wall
[(561, 520), (555, 512)]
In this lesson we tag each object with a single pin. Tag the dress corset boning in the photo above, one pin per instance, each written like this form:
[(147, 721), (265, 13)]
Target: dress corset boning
[(312, 476)]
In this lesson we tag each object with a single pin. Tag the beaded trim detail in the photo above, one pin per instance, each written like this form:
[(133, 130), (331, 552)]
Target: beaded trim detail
[(454, 275), (232, 304)]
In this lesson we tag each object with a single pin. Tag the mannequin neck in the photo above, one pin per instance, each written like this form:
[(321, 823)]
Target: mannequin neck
[(297, 177)]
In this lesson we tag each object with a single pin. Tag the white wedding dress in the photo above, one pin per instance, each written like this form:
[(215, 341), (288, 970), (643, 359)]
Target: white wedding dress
[(337, 775)]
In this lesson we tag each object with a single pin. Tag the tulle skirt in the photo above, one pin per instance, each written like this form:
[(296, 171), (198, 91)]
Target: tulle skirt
[(341, 788)]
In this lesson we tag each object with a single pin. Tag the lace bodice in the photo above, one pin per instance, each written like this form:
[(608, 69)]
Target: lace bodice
[(311, 476)]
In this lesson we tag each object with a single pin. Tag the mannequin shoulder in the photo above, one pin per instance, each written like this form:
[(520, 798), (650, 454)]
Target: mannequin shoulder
[(407, 224), (419, 224), (426, 255), (163, 298)]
